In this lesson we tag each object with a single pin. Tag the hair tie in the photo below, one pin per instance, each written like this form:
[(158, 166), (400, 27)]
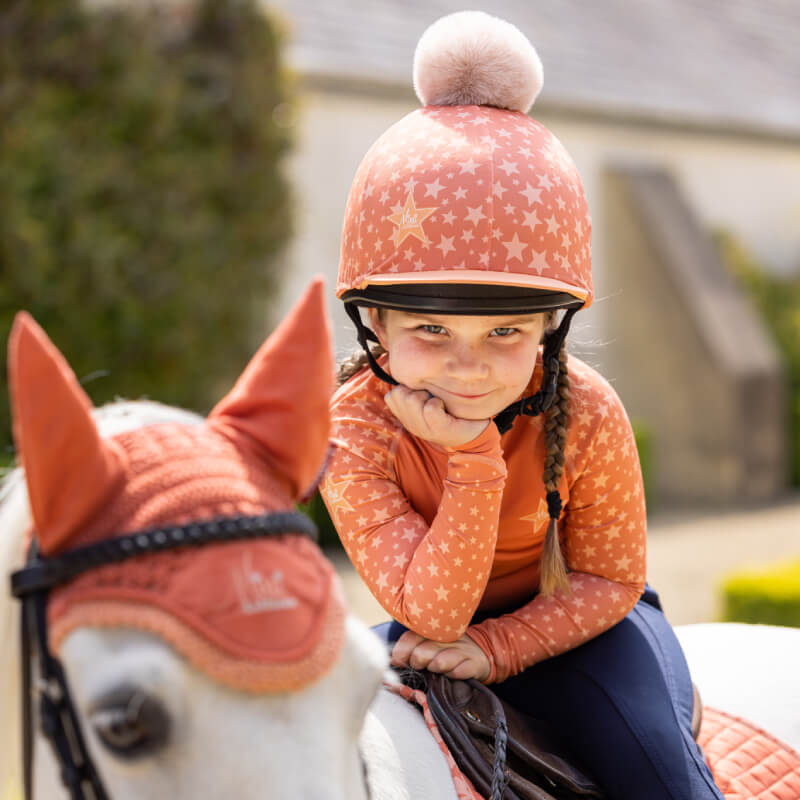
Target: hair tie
[(554, 504)]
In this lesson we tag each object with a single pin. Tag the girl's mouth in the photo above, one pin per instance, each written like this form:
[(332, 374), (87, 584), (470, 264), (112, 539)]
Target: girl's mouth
[(467, 396)]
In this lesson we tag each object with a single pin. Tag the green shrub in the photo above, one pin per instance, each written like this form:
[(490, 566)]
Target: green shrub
[(778, 300), (643, 434), (315, 508), (143, 205), (770, 596)]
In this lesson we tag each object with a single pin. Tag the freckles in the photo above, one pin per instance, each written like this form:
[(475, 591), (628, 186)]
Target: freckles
[(518, 364), (411, 361)]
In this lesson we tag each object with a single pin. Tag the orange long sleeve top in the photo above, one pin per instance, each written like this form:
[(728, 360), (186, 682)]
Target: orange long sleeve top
[(440, 533)]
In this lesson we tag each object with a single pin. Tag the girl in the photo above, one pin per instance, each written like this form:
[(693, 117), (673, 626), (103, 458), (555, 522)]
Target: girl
[(492, 498)]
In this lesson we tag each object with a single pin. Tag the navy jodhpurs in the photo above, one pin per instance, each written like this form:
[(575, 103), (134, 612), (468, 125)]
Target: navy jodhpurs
[(623, 702)]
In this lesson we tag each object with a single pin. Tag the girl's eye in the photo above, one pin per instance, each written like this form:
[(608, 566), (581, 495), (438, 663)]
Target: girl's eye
[(503, 332), (434, 329)]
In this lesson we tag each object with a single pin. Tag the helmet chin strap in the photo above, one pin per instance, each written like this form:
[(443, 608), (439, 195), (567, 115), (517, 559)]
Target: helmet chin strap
[(365, 335), (529, 406), (545, 397)]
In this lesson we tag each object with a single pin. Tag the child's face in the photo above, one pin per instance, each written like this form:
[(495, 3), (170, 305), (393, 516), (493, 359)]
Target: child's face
[(477, 365)]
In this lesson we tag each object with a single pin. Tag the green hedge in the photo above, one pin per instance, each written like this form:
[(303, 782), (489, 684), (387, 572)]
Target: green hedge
[(315, 508), (643, 434), (778, 300), (770, 596), (141, 188)]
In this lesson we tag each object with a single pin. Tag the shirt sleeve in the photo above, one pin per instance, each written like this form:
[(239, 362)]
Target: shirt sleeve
[(430, 578), (603, 533)]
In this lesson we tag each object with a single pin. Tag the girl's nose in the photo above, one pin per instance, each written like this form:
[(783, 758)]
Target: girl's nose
[(467, 363)]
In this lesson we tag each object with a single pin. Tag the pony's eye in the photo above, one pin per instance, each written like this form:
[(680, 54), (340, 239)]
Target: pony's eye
[(130, 722)]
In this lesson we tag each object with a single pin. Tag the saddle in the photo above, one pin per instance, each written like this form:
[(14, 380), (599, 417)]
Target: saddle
[(506, 754)]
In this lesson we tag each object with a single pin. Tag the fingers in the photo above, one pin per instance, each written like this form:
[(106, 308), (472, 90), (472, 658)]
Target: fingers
[(420, 653), (467, 669), (447, 661), (434, 413), (426, 416), (405, 402), (420, 412), (413, 650), (459, 660), (404, 647)]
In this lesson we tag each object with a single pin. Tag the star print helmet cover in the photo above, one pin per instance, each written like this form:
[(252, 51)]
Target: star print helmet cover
[(468, 205)]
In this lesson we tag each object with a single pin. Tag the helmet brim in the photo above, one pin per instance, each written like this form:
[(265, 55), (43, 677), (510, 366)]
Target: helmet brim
[(462, 298)]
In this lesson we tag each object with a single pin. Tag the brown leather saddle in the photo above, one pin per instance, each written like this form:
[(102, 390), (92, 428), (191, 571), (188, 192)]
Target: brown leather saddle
[(506, 754)]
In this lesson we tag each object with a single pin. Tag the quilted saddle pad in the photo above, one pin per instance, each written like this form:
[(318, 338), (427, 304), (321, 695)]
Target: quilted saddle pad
[(747, 762)]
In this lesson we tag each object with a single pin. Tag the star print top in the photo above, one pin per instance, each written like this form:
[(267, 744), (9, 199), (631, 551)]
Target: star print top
[(440, 533)]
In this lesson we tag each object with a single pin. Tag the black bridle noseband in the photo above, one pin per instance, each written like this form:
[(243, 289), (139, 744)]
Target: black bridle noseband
[(32, 584)]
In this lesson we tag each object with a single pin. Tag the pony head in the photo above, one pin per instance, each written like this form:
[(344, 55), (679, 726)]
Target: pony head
[(258, 615)]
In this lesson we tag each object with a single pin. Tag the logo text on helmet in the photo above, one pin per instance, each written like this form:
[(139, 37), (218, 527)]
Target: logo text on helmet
[(409, 221)]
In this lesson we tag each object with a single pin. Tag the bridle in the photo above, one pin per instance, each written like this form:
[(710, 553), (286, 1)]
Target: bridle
[(32, 584)]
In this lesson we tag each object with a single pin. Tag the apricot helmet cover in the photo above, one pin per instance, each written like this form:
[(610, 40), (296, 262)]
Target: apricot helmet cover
[(472, 206)]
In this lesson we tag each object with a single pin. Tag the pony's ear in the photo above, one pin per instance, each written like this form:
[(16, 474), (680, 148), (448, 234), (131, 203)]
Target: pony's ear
[(281, 399), (70, 470)]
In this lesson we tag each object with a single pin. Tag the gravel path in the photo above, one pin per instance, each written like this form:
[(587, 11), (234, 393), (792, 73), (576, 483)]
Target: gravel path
[(688, 554)]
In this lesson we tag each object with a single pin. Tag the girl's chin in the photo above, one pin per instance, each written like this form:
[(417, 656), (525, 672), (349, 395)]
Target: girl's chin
[(472, 410)]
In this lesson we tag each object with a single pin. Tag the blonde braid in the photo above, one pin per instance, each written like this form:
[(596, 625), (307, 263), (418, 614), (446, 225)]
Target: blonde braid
[(554, 568)]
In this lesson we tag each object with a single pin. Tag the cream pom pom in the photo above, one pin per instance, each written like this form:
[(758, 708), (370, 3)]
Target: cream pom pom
[(472, 58)]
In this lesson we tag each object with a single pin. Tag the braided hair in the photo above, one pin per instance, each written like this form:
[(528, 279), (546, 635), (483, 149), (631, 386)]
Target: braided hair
[(355, 362), (554, 568)]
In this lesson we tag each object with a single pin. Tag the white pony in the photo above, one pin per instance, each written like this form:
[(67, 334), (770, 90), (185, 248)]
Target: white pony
[(338, 737), (314, 744)]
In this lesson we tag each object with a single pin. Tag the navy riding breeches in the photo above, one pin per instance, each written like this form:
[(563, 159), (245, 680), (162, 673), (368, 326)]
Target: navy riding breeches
[(623, 702)]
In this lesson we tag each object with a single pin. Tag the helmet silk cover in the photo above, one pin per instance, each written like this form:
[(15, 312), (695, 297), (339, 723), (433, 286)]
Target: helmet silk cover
[(467, 195)]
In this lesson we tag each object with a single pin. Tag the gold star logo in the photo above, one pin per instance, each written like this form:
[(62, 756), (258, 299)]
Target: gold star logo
[(539, 517), (336, 500), (409, 221)]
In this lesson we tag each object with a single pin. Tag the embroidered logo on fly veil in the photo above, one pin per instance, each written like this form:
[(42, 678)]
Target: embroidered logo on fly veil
[(259, 592)]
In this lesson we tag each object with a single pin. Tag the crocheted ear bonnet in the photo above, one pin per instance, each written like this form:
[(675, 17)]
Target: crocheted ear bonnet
[(258, 615)]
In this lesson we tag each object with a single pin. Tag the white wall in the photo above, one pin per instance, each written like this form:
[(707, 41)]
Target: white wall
[(334, 134)]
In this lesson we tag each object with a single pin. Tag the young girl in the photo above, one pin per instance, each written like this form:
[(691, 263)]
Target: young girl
[(485, 484)]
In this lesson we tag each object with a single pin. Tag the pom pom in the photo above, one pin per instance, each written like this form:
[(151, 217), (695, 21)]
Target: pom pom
[(472, 58)]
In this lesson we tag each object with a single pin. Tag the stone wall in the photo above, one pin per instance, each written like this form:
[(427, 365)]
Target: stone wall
[(690, 357)]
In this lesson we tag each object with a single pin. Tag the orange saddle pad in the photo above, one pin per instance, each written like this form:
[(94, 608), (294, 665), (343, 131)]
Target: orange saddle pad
[(747, 762)]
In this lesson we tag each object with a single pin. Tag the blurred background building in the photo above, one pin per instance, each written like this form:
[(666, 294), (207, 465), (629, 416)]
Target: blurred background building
[(684, 120), (167, 189)]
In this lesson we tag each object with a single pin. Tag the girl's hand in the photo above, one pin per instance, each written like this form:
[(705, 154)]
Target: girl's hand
[(461, 659), (425, 416)]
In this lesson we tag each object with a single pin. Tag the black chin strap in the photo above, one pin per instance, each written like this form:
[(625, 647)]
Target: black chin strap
[(544, 398), (529, 406), (365, 335)]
